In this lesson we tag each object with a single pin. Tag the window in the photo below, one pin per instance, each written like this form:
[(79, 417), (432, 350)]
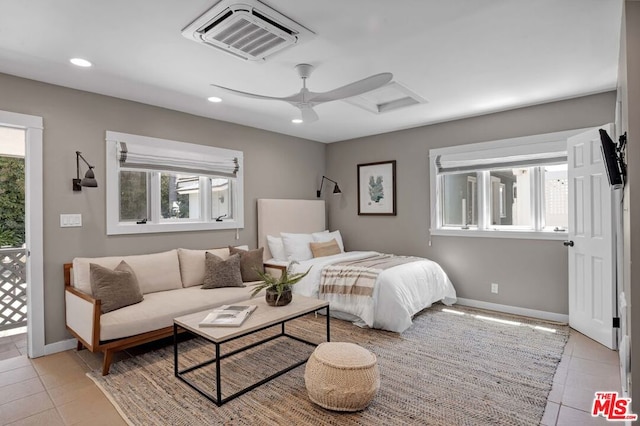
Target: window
[(512, 188), (157, 185)]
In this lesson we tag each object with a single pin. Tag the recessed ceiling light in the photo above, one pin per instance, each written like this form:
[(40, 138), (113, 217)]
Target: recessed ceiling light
[(297, 121), (80, 62), (214, 99)]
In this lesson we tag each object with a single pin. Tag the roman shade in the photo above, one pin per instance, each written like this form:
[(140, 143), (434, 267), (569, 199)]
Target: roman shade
[(137, 156), (535, 154)]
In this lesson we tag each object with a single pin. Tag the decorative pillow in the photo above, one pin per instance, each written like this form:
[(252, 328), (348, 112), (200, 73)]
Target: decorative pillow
[(222, 273), (323, 237), (296, 246), (115, 288), (325, 249), (250, 261), (276, 247)]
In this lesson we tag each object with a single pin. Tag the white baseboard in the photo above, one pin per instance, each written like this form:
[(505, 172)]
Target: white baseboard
[(516, 310), (61, 346)]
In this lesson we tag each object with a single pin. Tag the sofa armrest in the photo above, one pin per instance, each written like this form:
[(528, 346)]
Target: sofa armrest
[(82, 313), (275, 270)]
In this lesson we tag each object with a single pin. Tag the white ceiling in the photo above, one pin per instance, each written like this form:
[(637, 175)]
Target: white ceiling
[(465, 57)]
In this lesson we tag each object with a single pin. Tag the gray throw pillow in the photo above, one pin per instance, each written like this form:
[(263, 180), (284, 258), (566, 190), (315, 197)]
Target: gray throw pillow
[(114, 288), (250, 261), (222, 273)]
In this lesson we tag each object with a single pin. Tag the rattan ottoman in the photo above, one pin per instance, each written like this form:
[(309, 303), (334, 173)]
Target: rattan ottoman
[(342, 376)]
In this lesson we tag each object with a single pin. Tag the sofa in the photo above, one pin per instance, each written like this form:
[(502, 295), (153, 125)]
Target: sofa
[(171, 286)]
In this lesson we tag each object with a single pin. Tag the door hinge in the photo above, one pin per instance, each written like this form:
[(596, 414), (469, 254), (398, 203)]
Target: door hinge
[(616, 322)]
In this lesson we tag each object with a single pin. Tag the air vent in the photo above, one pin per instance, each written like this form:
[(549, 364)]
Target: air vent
[(248, 30), (387, 98)]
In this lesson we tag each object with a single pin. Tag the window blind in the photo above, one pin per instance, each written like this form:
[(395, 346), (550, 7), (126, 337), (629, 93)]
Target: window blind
[(502, 158), (137, 156)]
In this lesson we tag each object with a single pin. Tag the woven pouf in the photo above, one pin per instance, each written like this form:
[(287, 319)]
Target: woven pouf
[(342, 376)]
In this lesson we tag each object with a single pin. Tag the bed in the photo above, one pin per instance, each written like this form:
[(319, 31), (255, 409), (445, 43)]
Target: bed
[(399, 291)]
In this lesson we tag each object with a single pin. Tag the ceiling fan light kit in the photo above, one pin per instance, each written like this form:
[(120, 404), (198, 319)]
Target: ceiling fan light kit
[(305, 99)]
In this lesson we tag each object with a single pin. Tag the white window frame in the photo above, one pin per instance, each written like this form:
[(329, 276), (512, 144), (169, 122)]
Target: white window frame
[(156, 223), (551, 142)]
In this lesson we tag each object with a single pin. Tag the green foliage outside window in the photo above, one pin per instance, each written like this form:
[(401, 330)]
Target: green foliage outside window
[(12, 200)]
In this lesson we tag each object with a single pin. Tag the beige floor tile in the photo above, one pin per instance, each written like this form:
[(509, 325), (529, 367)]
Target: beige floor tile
[(578, 379), (70, 391), (556, 393), (596, 352), (13, 353), (16, 375), (46, 418), (571, 417), (561, 375), (7, 346), (65, 374), (13, 363), (25, 407), (594, 368), (550, 414), (92, 360), (92, 405), (52, 363), (578, 398), (20, 390), (110, 418)]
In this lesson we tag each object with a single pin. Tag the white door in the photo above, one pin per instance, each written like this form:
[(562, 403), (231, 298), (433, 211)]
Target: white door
[(591, 257)]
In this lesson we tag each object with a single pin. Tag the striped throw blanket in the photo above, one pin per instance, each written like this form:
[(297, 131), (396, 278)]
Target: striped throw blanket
[(358, 277)]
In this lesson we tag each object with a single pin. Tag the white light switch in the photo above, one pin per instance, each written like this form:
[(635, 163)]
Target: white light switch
[(70, 220)]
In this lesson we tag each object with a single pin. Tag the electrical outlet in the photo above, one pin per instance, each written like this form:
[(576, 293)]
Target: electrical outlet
[(494, 288)]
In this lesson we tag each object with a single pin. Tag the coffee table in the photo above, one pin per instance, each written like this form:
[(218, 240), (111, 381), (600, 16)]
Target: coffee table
[(263, 317)]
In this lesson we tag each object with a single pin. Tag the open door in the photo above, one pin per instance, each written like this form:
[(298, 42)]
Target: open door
[(591, 245)]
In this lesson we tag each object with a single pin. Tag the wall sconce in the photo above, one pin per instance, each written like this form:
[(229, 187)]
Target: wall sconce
[(89, 179), (336, 189)]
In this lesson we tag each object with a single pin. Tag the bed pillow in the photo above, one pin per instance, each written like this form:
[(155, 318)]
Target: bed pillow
[(222, 273), (328, 248), (296, 246), (276, 247), (115, 288), (250, 263), (323, 237)]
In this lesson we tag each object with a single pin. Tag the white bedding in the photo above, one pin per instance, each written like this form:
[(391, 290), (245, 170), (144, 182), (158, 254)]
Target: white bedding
[(400, 292)]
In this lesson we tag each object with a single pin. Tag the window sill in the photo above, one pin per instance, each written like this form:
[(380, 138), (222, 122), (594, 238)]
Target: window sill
[(501, 233), (148, 228)]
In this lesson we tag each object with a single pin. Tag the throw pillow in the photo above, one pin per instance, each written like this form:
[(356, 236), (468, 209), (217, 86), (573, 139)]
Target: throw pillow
[(323, 237), (276, 247), (250, 262), (328, 248), (222, 273), (296, 246), (115, 288)]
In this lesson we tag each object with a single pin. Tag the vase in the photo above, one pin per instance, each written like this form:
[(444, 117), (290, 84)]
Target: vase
[(271, 297)]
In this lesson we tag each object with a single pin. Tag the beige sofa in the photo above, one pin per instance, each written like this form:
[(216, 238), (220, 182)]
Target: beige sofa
[(171, 284)]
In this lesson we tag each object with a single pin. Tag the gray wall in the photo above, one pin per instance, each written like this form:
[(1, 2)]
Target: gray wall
[(76, 120), (531, 273), (629, 82)]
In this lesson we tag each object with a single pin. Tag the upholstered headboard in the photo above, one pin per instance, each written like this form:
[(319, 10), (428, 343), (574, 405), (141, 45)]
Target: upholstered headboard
[(298, 216)]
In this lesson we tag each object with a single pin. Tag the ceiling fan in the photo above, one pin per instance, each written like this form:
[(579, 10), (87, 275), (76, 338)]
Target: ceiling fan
[(305, 100)]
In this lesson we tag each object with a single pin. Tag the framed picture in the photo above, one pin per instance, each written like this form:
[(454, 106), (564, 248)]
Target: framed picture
[(377, 188)]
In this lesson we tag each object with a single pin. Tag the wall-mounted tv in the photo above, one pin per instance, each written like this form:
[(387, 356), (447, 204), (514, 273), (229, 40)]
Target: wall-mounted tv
[(611, 160)]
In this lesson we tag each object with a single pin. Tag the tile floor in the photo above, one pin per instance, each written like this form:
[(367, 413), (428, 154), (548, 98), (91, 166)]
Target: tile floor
[(54, 390)]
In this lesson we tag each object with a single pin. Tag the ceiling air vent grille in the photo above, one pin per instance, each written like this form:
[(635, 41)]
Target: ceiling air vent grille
[(249, 30)]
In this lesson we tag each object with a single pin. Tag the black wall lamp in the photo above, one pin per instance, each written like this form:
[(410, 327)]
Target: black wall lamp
[(89, 179), (336, 189)]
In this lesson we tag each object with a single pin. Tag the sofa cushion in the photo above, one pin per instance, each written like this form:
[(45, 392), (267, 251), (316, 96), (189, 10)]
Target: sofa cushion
[(159, 309), (192, 264), (115, 288), (222, 272), (155, 272), (251, 261)]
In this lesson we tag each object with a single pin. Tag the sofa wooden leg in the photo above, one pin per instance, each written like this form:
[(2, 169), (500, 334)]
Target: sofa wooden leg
[(80, 346), (106, 362)]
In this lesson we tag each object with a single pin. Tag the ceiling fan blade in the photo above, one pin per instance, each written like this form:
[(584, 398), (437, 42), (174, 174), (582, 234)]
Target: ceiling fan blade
[(293, 98), (356, 88), (308, 115)]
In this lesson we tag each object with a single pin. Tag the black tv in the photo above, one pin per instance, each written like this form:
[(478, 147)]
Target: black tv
[(611, 160)]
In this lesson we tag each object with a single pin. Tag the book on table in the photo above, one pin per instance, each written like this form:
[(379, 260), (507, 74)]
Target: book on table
[(228, 316)]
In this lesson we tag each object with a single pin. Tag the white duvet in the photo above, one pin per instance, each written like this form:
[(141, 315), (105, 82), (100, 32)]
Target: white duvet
[(400, 292)]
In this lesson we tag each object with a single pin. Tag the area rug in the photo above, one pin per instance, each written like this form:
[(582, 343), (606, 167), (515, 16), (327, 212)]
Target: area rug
[(454, 366)]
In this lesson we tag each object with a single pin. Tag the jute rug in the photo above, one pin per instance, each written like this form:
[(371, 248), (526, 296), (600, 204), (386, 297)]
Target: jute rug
[(449, 368)]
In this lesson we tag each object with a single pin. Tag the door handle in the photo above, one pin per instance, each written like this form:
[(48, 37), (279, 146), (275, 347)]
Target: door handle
[(568, 243)]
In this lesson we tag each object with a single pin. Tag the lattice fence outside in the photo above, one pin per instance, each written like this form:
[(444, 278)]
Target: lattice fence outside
[(13, 288)]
